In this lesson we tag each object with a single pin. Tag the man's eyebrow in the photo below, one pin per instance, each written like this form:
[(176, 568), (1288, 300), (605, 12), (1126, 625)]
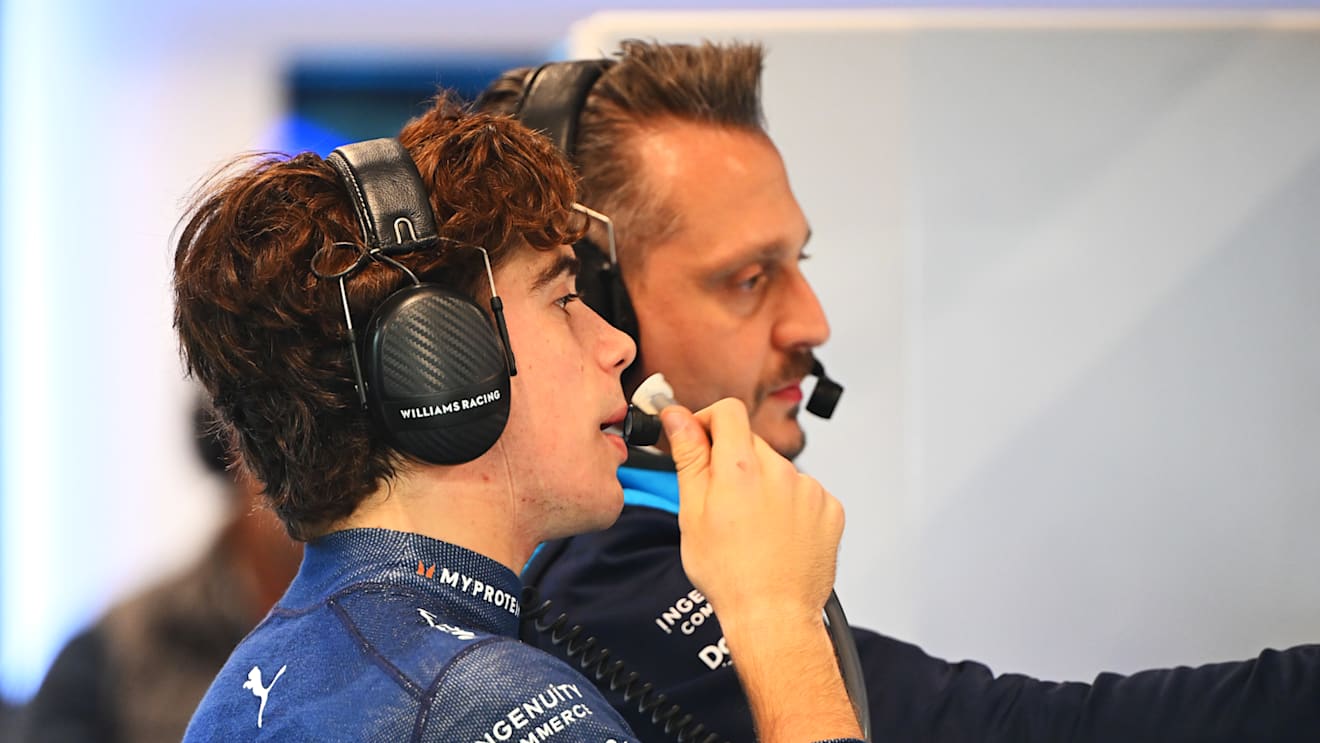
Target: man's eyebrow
[(766, 254), (564, 264), (777, 249)]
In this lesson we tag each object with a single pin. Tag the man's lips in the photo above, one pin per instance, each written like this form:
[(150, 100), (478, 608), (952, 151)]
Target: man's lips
[(791, 393), (615, 419)]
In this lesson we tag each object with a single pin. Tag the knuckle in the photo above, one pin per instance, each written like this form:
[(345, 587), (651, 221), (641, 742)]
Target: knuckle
[(731, 406), (778, 466), (835, 509), (808, 485)]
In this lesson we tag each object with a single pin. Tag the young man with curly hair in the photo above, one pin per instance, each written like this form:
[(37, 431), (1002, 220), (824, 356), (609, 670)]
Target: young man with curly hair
[(402, 621)]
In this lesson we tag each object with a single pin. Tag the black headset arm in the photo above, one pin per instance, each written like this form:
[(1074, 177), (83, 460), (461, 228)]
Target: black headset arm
[(850, 663)]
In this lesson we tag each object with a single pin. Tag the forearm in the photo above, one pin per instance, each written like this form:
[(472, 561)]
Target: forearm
[(745, 514), (793, 686)]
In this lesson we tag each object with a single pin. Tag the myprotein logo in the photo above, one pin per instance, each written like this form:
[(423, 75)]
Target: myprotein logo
[(467, 403), (470, 586)]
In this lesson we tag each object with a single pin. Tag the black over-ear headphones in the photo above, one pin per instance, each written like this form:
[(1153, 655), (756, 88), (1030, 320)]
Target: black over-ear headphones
[(433, 371), (552, 100)]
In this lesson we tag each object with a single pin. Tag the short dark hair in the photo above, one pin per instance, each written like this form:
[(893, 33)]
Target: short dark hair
[(648, 85), (268, 340)]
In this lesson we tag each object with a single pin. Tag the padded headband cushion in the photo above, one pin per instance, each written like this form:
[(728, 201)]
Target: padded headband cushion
[(394, 213)]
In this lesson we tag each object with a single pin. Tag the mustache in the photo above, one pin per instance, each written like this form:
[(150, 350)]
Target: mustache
[(797, 365)]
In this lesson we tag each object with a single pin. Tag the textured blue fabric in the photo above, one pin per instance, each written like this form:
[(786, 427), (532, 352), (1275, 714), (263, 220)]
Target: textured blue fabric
[(388, 636)]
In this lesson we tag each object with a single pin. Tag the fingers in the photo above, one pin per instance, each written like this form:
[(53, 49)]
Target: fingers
[(731, 437), (713, 452), (689, 445), (825, 507), (690, 448), (745, 507), (729, 443)]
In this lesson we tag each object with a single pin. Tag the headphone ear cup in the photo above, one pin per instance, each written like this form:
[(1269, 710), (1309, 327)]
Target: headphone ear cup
[(436, 378), (601, 287)]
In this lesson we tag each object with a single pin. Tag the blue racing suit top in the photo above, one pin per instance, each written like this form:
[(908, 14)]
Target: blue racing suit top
[(389, 636)]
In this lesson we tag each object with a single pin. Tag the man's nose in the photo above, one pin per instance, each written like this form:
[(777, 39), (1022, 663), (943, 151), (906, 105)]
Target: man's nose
[(617, 349), (802, 323)]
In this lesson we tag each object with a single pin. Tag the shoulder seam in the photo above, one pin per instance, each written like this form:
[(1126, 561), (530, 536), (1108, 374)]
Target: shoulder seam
[(370, 650), (426, 700)]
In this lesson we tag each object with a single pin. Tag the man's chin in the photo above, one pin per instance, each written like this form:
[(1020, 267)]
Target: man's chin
[(785, 437), (791, 452)]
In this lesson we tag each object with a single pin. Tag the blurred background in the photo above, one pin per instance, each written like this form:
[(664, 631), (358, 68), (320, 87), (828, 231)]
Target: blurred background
[(1070, 253)]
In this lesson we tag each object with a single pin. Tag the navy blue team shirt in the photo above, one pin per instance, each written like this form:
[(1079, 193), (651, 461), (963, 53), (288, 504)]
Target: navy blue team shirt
[(627, 587), (391, 636)]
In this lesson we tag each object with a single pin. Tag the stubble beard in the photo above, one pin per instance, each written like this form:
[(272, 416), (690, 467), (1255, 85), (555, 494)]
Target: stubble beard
[(797, 365)]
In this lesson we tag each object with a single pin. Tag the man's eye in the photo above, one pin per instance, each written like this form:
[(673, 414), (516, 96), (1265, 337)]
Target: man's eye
[(751, 282), (564, 301)]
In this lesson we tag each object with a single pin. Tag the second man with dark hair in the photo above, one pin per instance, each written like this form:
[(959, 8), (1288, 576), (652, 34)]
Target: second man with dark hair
[(670, 143)]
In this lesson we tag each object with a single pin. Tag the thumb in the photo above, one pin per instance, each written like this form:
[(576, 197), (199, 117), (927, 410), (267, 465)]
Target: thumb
[(688, 443)]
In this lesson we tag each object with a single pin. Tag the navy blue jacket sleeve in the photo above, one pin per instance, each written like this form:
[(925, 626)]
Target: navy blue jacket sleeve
[(1273, 697), (627, 587)]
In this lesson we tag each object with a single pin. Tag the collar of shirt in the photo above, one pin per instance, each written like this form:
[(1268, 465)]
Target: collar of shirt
[(649, 480), (458, 580)]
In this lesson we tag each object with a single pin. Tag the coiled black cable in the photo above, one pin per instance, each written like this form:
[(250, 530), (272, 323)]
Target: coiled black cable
[(597, 664)]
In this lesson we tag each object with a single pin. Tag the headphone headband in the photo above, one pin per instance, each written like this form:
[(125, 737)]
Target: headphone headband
[(553, 97), (394, 213), (552, 100)]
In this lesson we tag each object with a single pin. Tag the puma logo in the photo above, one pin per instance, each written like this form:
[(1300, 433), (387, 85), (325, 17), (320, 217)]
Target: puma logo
[(258, 690)]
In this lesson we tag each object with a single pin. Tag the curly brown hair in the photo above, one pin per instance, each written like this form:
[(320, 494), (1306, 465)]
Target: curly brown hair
[(648, 85), (267, 338)]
